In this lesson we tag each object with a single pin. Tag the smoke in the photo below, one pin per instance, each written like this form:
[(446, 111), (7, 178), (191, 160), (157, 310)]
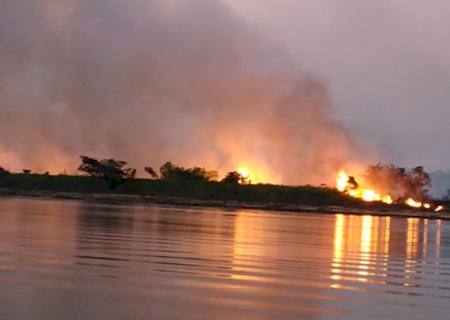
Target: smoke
[(153, 80)]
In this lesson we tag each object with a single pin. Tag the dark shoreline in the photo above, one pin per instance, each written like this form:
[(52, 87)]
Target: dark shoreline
[(116, 198)]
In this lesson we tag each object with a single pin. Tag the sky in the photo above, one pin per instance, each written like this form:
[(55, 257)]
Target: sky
[(386, 64), (295, 90)]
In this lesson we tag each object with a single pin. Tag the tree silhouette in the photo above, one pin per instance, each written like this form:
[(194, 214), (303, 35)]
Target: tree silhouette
[(234, 177), (421, 181), (169, 171), (112, 170), (398, 181), (151, 172), (3, 171)]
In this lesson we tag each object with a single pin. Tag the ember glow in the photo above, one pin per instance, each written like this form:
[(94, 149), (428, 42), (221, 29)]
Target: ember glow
[(356, 188)]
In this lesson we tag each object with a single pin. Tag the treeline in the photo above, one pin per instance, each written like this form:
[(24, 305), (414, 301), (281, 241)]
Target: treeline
[(168, 182), (116, 172), (172, 181)]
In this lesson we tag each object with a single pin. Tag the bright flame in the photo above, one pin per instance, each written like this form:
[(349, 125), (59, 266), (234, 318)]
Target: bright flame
[(343, 185), (370, 195), (342, 181), (413, 203), (387, 199), (256, 174), (346, 184), (244, 172)]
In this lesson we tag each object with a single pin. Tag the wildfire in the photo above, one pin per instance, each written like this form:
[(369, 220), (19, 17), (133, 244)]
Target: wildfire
[(256, 174), (244, 172), (348, 185), (342, 181), (413, 203)]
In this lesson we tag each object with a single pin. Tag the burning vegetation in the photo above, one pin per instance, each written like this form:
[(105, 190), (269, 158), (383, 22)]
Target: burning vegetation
[(389, 184)]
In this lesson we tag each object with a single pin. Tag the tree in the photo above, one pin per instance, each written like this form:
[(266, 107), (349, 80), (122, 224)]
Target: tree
[(234, 177), (420, 181), (352, 183), (151, 172), (399, 182), (112, 170), (3, 171), (169, 171)]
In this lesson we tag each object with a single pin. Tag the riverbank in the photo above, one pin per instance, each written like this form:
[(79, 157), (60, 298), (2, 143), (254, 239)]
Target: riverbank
[(174, 189), (115, 198)]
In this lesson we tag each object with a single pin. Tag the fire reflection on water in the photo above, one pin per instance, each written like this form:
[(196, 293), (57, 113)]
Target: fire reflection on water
[(438, 240), (412, 238), (246, 248), (356, 240), (363, 246)]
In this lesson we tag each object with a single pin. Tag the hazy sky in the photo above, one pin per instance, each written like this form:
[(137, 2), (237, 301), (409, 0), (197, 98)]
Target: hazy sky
[(224, 84), (149, 81), (385, 62)]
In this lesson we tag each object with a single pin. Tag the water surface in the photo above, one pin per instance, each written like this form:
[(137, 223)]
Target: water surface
[(78, 260)]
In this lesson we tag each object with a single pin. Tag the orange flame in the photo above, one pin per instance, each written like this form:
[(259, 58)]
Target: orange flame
[(413, 203), (244, 172), (343, 184), (256, 174), (366, 194), (342, 181)]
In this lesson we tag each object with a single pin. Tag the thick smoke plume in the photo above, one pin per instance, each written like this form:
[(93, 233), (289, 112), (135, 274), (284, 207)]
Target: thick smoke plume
[(155, 80)]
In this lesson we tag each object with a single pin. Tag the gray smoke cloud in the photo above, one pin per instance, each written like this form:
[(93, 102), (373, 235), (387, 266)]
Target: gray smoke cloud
[(153, 80)]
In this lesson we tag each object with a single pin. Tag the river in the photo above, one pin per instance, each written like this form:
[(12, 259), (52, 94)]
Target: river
[(79, 260)]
